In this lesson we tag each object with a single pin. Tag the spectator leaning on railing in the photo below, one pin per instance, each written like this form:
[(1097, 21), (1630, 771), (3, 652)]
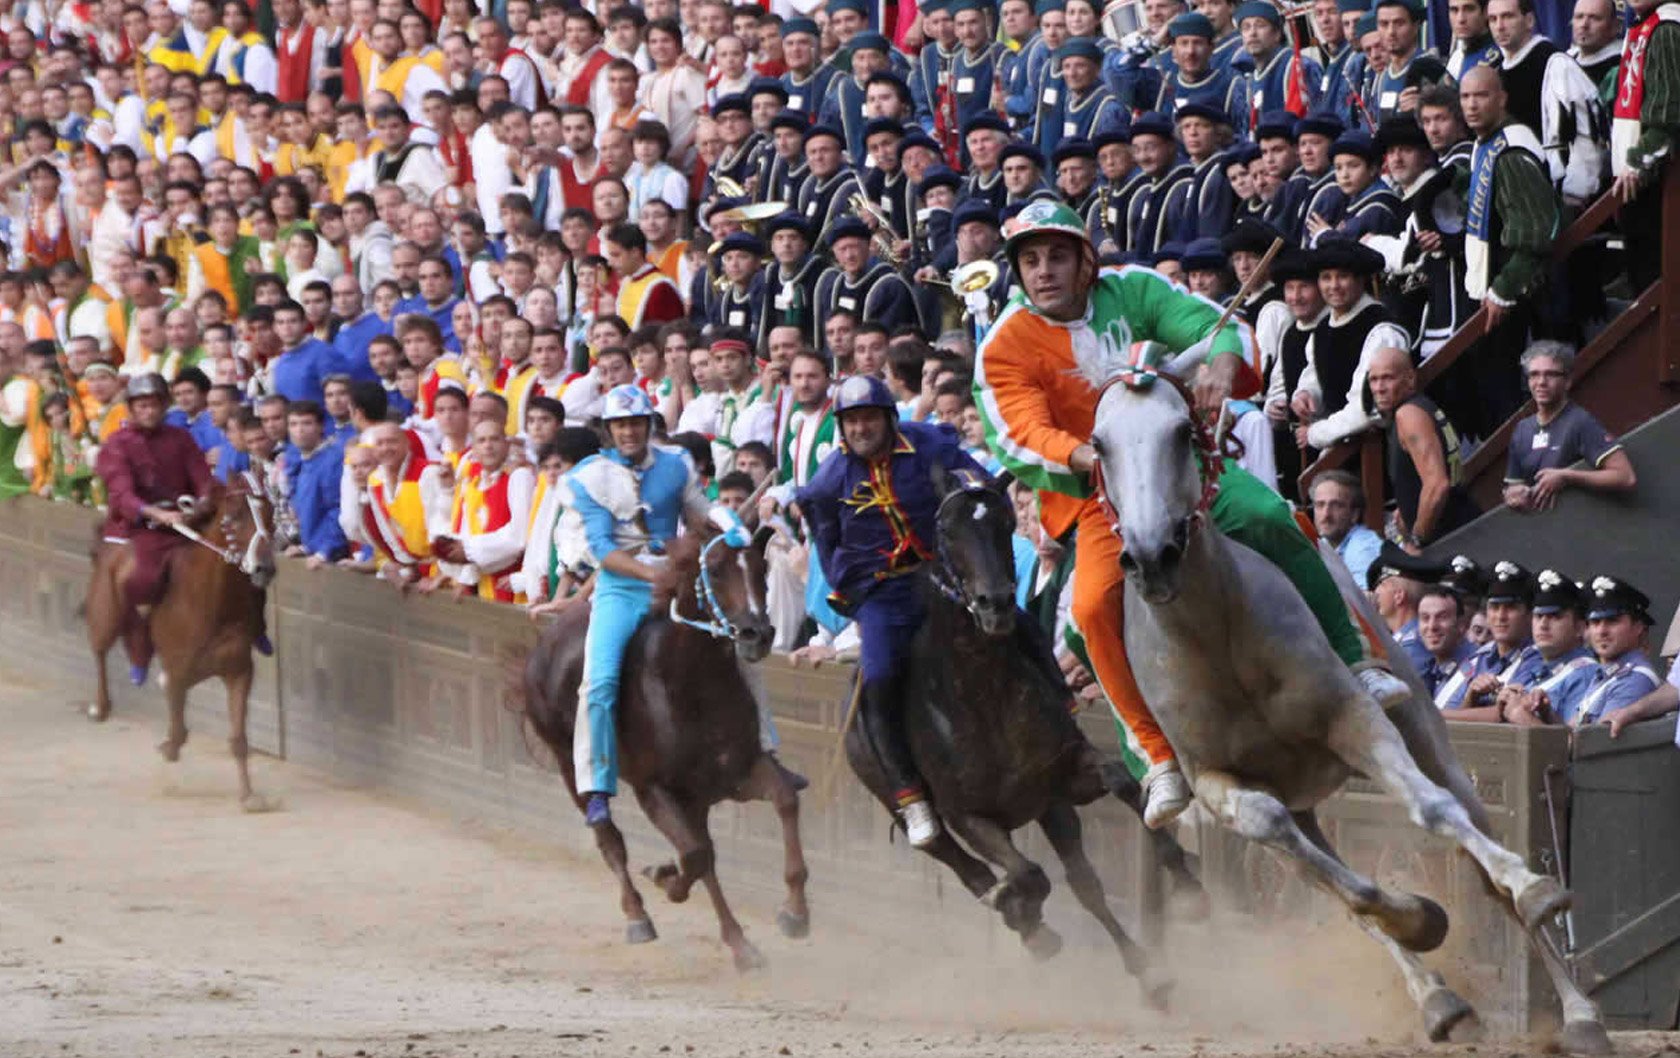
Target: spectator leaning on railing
[(1547, 445)]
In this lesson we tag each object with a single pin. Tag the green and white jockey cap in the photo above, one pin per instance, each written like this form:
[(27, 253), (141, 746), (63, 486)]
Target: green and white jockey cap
[(1043, 217)]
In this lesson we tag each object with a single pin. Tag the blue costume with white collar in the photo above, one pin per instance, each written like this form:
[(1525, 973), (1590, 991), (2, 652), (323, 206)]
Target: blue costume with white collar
[(612, 497)]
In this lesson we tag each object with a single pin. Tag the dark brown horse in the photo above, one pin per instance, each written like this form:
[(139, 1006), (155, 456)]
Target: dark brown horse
[(987, 720), (208, 619), (688, 729)]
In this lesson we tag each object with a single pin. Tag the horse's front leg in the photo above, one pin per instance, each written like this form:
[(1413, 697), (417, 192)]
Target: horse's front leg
[(238, 686), (1020, 896), (1368, 741), (175, 690), (1062, 826), (694, 849), (1415, 921), (767, 782)]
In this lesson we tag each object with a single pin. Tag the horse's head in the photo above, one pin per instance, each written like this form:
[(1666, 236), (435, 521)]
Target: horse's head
[(721, 586), (976, 561), (1151, 454), (245, 521)]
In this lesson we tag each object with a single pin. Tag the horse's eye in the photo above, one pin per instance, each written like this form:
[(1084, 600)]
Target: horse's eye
[(1183, 434)]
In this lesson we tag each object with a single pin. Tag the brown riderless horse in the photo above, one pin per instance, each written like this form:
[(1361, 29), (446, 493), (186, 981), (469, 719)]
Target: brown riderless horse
[(209, 617), (688, 729)]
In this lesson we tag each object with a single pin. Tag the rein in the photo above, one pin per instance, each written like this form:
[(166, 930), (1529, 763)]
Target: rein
[(248, 562), (1211, 451)]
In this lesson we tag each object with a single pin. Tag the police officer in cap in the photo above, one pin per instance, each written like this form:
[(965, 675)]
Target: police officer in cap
[(1560, 619), (980, 183), (1509, 657), (1618, 621)]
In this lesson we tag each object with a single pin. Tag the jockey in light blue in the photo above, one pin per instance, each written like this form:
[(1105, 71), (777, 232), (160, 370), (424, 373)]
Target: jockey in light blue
[(632, 499)]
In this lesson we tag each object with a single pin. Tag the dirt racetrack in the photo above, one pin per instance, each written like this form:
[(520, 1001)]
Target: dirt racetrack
[(143, 916)]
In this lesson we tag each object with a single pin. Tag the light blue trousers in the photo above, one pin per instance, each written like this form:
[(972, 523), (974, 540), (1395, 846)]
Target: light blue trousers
[(617, 608)]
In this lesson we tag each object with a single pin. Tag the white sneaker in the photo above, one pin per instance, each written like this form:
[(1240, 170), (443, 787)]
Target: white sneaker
[(1168, 795), (1389, 690), (921, 825)]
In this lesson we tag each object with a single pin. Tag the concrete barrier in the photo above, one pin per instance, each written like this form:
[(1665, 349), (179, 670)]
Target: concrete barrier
[(419, 697)]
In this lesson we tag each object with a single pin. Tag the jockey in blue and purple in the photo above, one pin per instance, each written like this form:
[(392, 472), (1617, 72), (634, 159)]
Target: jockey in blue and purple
[(871, 512)]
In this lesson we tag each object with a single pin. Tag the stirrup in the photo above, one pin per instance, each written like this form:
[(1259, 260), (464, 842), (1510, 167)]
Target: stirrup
[(1167, 794)]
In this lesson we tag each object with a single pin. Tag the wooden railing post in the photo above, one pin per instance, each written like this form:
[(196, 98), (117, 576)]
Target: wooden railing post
[(1371, 477), (1668, 310)]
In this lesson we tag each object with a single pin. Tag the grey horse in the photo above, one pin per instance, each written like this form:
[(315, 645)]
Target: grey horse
[(1266, 720)]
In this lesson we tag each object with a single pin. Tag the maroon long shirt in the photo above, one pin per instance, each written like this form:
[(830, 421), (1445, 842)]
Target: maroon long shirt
[(145, 467)]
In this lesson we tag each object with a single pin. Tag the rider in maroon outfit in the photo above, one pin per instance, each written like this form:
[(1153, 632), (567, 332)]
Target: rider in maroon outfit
[(148, 467)]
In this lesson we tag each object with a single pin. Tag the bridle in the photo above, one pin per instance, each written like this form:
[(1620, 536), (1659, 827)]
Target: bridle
[(1211, 450), (952, 588), (250, 561), (711, 618)]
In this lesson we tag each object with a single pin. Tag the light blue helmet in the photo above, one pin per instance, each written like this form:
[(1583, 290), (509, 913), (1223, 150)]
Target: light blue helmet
[(626, 402), (863, 391)]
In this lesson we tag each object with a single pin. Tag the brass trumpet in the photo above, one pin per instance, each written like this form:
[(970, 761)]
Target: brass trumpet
[(969, 278), (883, 237)]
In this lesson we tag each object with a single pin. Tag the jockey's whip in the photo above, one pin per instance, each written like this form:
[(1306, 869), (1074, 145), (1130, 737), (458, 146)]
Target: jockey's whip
[(1248, 286), (831, 779)]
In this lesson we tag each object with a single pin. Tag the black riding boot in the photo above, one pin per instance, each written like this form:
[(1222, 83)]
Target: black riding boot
[(881, 713)]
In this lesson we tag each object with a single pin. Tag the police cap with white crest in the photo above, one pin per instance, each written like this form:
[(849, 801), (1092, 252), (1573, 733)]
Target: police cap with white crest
[(1608, 597)]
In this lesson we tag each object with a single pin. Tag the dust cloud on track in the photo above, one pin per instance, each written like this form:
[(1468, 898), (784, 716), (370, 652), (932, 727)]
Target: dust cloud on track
[(142, 915)]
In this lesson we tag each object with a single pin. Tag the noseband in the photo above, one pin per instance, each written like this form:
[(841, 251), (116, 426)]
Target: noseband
[(1210, 451), (951, 587)]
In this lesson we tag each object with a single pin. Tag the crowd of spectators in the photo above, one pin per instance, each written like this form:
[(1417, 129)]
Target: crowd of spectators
[(389, 258)]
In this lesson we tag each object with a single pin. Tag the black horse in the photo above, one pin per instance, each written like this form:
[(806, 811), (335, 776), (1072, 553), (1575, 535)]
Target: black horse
[(988, 722)]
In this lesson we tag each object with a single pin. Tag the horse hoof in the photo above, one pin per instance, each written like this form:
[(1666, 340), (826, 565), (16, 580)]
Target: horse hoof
[(669, 879), (1445, 1012), (1542, 899), (640, 931), (1157, 988), (749, 958), (1585, 1037), (257, 804), (98, 713), (1431, 932), (794, 927), (171, 751), (1043, 943)]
